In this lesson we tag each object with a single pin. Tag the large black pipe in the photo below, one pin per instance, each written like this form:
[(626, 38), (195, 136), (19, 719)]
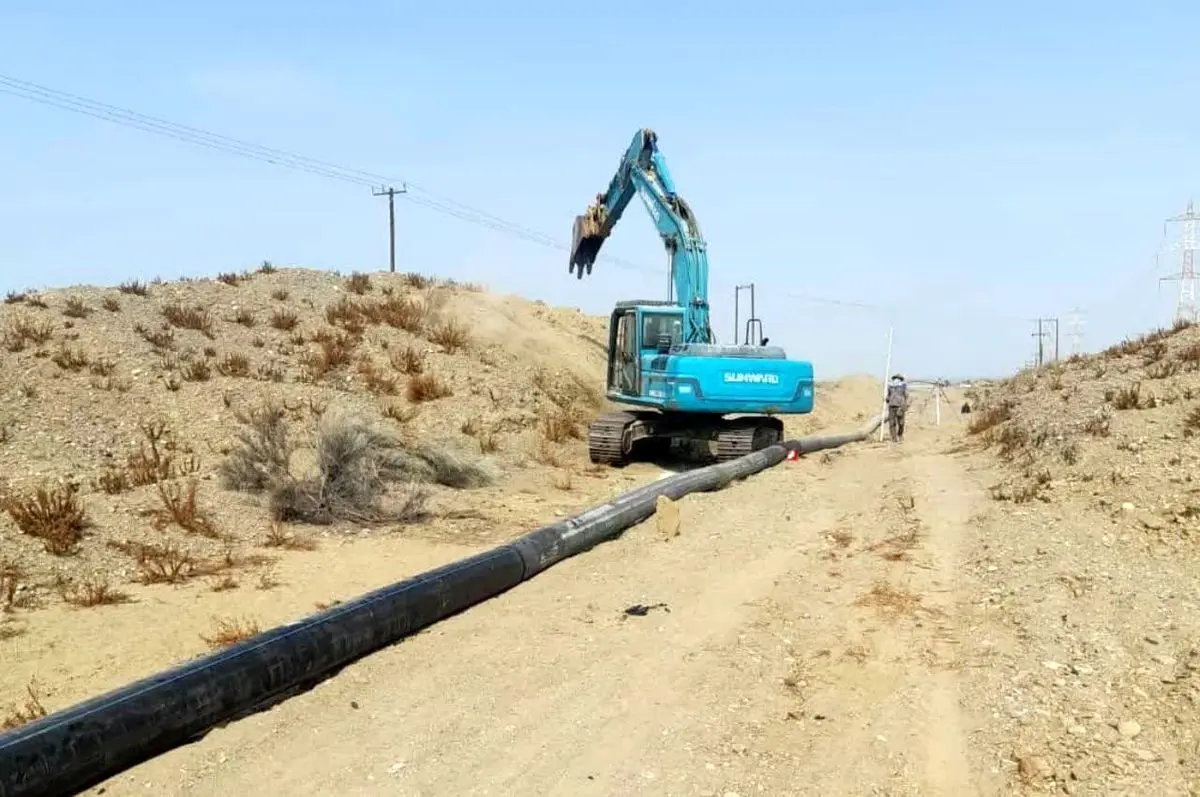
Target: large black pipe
[(75, 748)]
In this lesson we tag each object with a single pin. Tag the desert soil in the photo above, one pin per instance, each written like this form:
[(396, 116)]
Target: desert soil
[(1005, 604), (869, 621)]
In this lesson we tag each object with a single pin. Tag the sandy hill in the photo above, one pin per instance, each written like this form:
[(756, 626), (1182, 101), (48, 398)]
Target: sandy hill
[(204, 437), (1110, 429)]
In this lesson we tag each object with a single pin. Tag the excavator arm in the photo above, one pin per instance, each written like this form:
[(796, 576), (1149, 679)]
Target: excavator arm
[(643, 171)]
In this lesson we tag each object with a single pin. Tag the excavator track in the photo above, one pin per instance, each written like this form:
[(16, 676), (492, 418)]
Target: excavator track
[(606, 438), (745, 436)]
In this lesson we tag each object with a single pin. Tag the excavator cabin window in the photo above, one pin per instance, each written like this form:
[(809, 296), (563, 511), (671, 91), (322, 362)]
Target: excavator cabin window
[(659, 326)]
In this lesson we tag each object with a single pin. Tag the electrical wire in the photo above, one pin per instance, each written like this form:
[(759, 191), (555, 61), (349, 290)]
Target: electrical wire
[(414, 194)]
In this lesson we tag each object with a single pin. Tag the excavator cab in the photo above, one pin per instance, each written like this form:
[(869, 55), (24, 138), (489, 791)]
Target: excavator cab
[(636, 331)]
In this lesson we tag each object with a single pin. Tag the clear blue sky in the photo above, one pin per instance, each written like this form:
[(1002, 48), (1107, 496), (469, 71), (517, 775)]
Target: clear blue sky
[(974, 166)]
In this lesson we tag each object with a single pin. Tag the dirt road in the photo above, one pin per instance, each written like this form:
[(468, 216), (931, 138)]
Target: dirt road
[(831, 627)]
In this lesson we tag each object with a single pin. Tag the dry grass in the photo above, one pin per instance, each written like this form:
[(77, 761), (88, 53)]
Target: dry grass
[(164, 563), (426, 387), (229, 631), (890, 600), (180, 507), (408, 361), (234, 365), (134, 288), (28, 710), (358, 283), (193, 318), (279, 537), (53, 514), (92, 591), (450, 335)]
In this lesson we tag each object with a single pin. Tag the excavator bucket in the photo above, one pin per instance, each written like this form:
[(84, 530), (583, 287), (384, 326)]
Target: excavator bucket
[(586, 237)]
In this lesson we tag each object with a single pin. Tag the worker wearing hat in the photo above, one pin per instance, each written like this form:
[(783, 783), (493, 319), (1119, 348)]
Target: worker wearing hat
[(897, 405)]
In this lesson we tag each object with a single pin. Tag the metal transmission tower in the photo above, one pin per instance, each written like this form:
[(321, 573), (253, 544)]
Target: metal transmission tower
[(1041, 334), (1075, 331), (1185, 306)]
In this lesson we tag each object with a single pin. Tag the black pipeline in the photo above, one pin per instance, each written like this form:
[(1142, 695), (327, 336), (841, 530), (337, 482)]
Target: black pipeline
[(72, 749)]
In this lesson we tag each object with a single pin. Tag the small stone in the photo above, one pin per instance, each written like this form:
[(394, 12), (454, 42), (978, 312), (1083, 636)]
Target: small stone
[(1129, 728), (1127, 507)]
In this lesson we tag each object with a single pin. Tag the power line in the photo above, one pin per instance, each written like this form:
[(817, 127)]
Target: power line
[(416, 194)]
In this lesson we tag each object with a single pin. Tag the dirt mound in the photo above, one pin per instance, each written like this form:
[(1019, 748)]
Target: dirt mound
[(1108, 428), (122, 407)]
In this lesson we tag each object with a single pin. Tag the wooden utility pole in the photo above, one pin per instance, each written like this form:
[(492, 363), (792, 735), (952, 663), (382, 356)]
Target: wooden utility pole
[(390, 193)]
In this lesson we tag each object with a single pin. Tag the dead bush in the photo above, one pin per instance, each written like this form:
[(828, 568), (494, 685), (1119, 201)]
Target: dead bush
[(113, 481), (1127, 398), (52, 514), (15, 297), (92, 591), (75, 308), (229, 278), (408, 361), (989, 417), (284, 320), (279, 537), (559, 424), (450, 335), (402, 313), (160, 339), (1191, 422), (180, 506), (374, 381), (70, 359), (244, 318), (358, 283), (12, 575), (133, 288), (230, 631), (196, 371), (279, 295), (426, 387), (22, 330), (27, 711), (111, 304), (195, 318), (234, 365), (161, 563), (355, 464), (262, 452)]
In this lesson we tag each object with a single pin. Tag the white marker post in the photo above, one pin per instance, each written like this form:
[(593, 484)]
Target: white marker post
[(887, 370)]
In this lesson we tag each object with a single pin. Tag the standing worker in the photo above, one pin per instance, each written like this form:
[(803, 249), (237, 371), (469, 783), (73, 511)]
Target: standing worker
[(897, 405)]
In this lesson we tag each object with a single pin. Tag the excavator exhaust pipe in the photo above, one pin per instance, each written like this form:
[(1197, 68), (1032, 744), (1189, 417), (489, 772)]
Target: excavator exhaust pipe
[(586, 238)]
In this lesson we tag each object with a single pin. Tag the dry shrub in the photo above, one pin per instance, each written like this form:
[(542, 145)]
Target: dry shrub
[(358, 283), (374, 381), (11, 577), (1191, 422), (279, 295), (262, 452), (155, 459), (1127, 398), (890, 600), (70, 359), (408, 361), (355, 465), (52, 514), (267, 267), (25, 712), (75, 308), (229, 278), (230, 631), (15, 297), (111, 304), (22, 330), (184, 317), (244, 318), (402, 313), (133, 288), (161, 563), (180, 507), (450, 335), (559, 424), (337, 350), (284, 320), (196, 371), (92, 591), (426, 387), (279, 537), (102, 367), (161, 339), (236, 365), (989, 418)]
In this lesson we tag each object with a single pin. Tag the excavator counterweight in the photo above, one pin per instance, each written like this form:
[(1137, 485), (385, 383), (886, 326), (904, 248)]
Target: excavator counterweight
[(663, 359)]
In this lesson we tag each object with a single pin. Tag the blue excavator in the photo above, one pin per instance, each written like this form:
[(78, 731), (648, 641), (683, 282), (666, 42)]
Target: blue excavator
[(663, 358)]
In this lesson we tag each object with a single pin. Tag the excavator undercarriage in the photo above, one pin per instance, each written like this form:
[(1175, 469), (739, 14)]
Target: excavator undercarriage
[(619, 437)]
